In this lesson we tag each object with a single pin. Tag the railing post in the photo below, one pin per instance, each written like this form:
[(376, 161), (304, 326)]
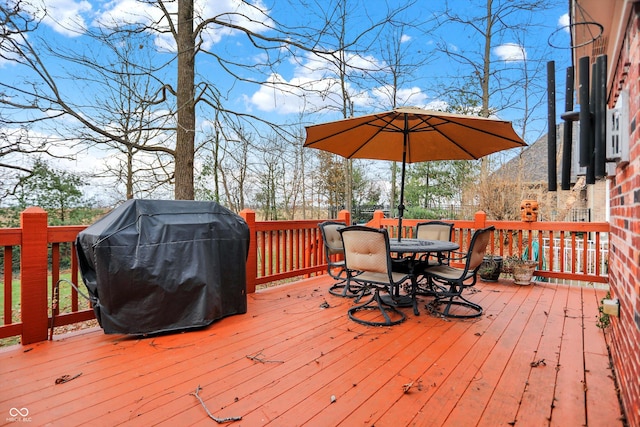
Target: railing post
[(252, 259), (479, 220), (344, 215), (33, 275), (376, 221)]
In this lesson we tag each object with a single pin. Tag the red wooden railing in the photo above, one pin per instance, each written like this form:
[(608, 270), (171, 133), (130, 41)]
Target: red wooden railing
[(565, 250), (279, 250)]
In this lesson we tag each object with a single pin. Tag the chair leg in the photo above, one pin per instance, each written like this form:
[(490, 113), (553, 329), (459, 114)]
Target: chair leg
[(376, 303), (344, 287), (425, 289), (454, 297), (340, 289), (414, 296)]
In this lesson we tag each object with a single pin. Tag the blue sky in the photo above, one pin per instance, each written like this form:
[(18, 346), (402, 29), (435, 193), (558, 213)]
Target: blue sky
[(66, 18)]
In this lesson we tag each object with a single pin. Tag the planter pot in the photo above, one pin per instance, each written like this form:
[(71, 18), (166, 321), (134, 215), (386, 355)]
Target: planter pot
[(523, 273), (490, 268)]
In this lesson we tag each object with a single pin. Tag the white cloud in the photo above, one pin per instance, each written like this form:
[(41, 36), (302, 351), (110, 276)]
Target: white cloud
[(9, 57), (404, 96), (66, 17), (121, 12), (302, 93), (71, 17), (253, 17), (313, 86), (563, 22), (510, 52)]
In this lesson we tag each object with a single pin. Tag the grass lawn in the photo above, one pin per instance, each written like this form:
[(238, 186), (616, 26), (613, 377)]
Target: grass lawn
[(65, 300)]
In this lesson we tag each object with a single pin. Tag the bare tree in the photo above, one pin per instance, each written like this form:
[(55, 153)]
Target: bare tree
[(15, 145), (17, 141), (401, 60), (124, 71), (43, 98), (491, 25), (234, 167), (498, 73)]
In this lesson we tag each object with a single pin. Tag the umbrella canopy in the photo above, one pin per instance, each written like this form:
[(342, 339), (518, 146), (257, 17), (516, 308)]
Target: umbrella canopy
[(411, 135)]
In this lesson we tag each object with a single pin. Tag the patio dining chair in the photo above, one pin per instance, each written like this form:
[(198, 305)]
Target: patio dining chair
[(431, 230), (334, 251), (452, 281), (434, 230), (368, 262)]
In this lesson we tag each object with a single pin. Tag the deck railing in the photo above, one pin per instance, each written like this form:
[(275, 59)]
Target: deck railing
[(279, 250), (573, 251)]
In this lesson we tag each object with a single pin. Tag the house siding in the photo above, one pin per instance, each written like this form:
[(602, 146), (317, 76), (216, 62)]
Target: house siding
[(625, 231)]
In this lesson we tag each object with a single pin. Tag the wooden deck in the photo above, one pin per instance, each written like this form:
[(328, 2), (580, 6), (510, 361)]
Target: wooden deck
[(534, 358)]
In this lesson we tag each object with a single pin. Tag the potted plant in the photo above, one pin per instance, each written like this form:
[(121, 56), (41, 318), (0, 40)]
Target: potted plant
[(507, 264), (490, 268), (520, 269)]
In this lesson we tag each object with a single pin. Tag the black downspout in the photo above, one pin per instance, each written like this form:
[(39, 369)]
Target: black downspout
[(567, 135), (551, 135)]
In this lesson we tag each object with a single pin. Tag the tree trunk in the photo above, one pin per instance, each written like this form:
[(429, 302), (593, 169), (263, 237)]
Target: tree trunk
[(486, 74), (185, 134), (129, 177)]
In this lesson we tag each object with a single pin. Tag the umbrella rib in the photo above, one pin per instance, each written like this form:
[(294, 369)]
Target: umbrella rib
[(389, 126), (364, 143), (348, 129), (434, 128), (447, 121), (388, 122)]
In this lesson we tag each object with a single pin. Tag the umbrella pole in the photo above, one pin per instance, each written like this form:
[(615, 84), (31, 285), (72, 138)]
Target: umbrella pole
[(401, 205), (404, 163)]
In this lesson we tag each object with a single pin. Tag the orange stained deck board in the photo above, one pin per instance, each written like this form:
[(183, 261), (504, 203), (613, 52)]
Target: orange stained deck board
[(433, 338), (570, 378), (597, 373), (281, 363), (500, 346), (505, 398), (539, 388), (464, 389), (434, 365)]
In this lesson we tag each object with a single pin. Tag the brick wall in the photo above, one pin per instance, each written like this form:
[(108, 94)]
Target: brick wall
[(624, 259)]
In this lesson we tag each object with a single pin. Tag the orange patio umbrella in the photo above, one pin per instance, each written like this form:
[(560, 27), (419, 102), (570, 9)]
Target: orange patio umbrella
[(411, 135)]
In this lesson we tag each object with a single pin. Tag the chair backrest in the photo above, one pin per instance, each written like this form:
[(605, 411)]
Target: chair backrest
[(434, 230), (331, 237), (366, 249), (478, 247)]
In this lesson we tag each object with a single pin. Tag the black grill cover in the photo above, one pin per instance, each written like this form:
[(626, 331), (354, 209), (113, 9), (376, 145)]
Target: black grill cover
[(164, 265)]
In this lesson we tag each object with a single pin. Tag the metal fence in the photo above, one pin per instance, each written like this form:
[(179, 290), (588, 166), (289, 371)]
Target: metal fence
[(574, 257)]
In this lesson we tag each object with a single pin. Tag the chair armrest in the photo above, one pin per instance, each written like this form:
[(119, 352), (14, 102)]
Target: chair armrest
[(457, 256)]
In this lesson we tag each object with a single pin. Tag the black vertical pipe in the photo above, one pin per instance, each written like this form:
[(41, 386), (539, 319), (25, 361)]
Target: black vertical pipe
[(585, 114), (567, 135), (600, 117), (591, 176), (551, 119), (405, 143)]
